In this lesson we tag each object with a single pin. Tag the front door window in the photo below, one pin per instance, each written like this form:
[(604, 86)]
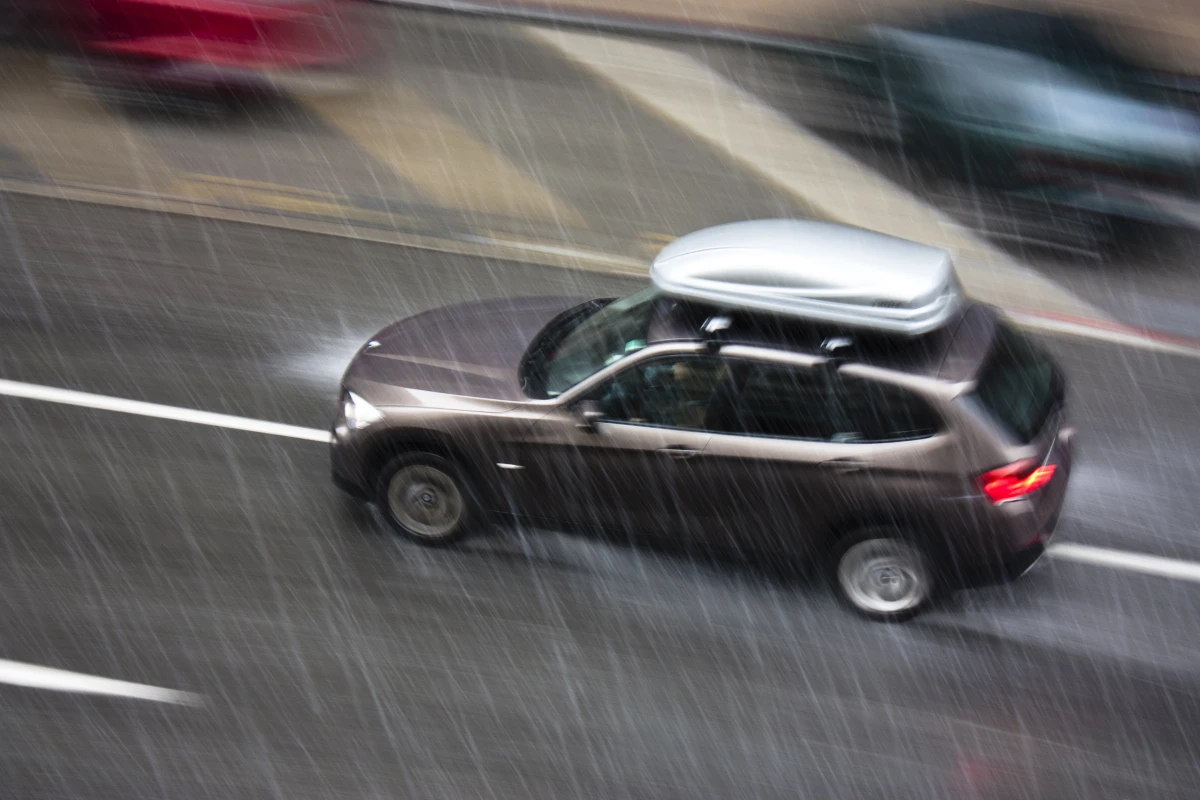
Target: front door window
[(680, 392)]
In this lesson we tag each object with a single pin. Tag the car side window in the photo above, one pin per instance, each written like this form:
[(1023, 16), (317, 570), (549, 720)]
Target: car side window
[(675, 392), (785, 401), (871, 411)]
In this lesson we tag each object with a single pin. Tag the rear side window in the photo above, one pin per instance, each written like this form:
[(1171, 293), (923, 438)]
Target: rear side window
[(783, 401), (870, 411), (1020, 386), (801, 403)]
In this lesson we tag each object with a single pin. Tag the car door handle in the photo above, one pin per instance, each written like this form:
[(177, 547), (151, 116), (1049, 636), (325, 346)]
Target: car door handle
[(678, 453), (845, 466)]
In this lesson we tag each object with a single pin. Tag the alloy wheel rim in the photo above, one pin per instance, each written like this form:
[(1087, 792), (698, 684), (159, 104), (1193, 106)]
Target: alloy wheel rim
[(884, 576), (425, 500)]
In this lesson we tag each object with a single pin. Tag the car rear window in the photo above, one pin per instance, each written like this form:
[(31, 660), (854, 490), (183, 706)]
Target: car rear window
[(1020, 386)]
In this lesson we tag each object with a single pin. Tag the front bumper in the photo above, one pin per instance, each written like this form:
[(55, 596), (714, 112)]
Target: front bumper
[(348, 486), (346, 455)]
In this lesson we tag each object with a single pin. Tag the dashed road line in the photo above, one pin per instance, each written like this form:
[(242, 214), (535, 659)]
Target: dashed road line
[(342, 225), (1175, 568), (1084, 554), (1104, 331), (284, 201), (279, 188), (34, 676), (70, 397)]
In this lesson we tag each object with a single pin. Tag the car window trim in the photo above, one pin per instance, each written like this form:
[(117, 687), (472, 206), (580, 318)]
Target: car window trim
[(698, 351), (748, 355), (930, 388), (909, 384), (752, 353), (625, 422)]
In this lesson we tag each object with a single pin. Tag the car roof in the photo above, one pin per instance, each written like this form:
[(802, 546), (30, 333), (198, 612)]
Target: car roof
[(812, 269), (952, 353)]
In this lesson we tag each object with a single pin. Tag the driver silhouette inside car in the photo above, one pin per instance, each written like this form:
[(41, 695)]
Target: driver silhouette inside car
[(672, 394)]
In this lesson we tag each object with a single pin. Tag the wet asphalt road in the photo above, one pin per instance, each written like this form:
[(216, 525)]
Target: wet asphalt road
[(336, 661)]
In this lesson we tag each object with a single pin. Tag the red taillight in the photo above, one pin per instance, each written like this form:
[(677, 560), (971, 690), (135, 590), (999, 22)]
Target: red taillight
[(1016, 480)]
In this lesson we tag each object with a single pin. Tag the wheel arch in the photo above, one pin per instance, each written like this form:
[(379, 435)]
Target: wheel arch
[(921, 527), (391, 444)]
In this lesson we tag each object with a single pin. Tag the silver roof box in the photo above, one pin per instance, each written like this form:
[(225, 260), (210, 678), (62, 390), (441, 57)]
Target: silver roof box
[(819, 271)]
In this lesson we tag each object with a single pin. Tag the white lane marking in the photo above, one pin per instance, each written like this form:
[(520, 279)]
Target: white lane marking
[(1103, 334), (33, 676), (634, 266), (70, 397), (1119, 559), (1122, 559)]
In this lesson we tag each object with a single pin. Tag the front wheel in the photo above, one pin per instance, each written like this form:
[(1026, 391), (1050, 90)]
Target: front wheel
[(427, 499), (883, 576)]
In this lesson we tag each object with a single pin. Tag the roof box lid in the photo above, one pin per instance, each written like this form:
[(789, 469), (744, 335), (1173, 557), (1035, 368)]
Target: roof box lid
[(819, 271)]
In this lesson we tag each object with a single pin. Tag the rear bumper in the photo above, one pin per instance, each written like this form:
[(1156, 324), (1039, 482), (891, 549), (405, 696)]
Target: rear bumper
[(1015, 549), (191, 76), (1025, 560), (1007, 539)]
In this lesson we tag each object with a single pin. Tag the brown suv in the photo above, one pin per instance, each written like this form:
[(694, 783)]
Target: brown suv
[(903, 463)]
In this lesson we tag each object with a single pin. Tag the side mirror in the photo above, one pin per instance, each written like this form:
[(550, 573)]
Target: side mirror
[(588, 413)]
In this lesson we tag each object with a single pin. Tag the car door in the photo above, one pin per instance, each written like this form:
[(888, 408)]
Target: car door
[(896, 458), (777, 494), (820, 450), (637, 467)]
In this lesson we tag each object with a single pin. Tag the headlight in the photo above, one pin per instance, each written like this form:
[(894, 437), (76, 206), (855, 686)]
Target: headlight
[(357, 413)]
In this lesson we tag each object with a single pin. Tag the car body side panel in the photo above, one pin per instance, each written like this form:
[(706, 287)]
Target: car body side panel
[(614, 476), (794, 496), (478, 441)]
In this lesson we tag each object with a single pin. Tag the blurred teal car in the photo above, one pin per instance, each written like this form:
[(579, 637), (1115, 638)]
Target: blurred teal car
[(1037, 107)]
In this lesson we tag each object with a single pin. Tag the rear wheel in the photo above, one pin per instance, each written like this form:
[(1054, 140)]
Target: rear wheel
[(883, 575), (427, 499)]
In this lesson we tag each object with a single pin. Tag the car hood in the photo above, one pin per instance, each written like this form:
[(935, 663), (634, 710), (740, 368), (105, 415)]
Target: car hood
[(470, 349)]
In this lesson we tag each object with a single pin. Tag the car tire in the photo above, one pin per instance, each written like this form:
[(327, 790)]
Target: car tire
[(883, 574), (427, 499)]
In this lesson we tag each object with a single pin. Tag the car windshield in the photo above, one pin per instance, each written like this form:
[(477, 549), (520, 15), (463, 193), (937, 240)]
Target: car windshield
[(607, 336)]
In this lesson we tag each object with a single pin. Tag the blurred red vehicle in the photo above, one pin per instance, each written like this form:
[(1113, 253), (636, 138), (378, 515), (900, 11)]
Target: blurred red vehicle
[(216, 46)]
